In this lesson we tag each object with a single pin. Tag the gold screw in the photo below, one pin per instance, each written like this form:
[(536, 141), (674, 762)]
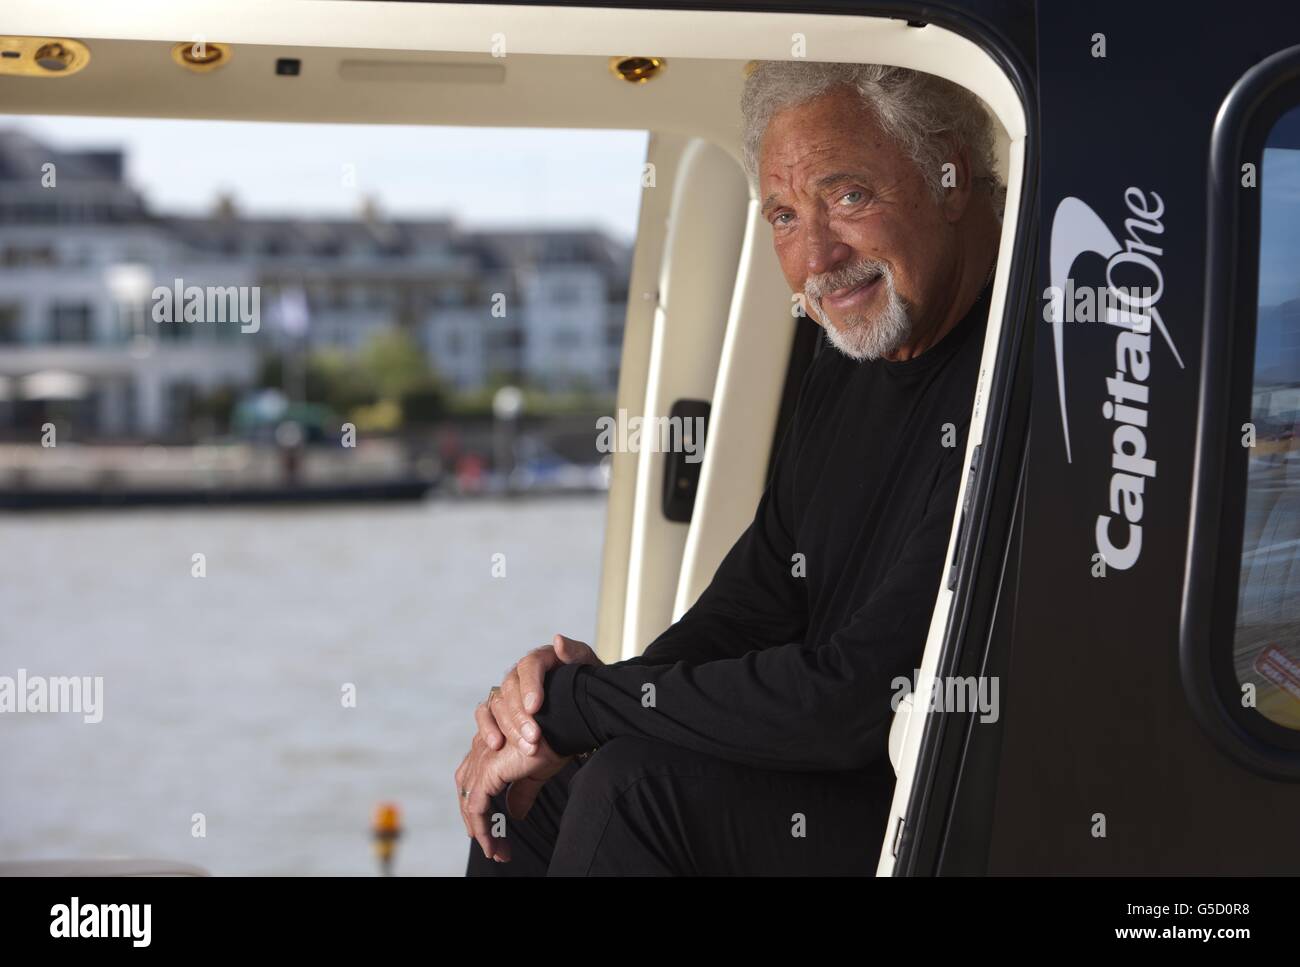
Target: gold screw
[(53, 57), (200, 56), (637, 70)]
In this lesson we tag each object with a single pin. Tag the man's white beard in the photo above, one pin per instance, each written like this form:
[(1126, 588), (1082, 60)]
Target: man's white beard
[(863, 337)]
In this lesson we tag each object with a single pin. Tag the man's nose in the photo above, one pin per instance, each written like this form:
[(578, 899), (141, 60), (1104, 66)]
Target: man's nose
[(823, 249)]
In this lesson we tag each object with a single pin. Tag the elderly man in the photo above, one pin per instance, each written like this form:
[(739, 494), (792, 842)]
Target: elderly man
[(751, 736)]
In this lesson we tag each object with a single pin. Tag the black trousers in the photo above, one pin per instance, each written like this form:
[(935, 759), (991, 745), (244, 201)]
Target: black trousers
[(644, 808)]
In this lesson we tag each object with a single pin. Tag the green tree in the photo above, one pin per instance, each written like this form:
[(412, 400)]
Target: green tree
[(398, 369), (395, 363)]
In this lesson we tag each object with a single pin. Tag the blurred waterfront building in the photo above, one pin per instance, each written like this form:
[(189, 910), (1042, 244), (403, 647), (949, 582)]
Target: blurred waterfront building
[(79, 263)]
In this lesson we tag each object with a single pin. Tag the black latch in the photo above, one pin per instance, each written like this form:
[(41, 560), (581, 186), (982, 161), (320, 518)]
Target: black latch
[(682, 437)]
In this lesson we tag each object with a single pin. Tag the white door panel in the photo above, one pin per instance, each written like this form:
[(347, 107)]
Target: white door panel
[(705, 236), (664, 152), (746, 399)]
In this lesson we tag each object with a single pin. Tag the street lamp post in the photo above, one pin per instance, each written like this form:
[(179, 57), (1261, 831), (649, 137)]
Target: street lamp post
[(506, 406)]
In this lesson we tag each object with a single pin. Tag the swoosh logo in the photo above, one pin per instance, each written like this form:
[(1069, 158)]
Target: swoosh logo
[(1077, 229)]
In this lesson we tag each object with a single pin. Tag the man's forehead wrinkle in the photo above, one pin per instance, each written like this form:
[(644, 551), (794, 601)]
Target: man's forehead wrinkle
[(793, 161)]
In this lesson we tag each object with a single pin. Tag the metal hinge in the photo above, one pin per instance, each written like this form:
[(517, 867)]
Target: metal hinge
[(898, 835), (954, 569)]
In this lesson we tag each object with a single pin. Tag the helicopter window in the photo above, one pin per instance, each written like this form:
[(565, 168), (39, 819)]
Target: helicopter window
[(1266, 646), (299, 332)]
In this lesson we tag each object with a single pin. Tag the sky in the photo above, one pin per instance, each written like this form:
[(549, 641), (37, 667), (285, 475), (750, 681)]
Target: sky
[(1279, 276), (482, 177)]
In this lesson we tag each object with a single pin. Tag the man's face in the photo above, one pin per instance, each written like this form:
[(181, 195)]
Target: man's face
[(856, 228)]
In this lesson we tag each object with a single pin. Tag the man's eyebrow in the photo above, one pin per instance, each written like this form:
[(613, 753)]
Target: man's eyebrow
[(824, 182), (827, 180)]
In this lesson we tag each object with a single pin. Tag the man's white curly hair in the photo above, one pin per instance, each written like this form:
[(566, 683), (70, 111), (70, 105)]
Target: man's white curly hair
[(921, 112)]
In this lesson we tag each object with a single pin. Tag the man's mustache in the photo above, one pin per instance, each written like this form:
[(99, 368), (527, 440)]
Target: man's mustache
[(819, 286)]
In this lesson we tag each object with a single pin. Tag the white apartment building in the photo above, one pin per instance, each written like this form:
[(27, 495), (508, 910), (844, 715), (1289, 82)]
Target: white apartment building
[(549, 313), (66, 317), (80, 259)]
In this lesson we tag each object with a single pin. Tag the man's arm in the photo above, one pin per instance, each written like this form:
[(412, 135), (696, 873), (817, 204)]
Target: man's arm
[(754, 601), (797, 706)]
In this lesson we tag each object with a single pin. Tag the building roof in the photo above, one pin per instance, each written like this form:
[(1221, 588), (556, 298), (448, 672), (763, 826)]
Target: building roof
[(93, 188), (22, 158)]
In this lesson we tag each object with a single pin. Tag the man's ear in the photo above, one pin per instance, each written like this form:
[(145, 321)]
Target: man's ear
[(955, 182)]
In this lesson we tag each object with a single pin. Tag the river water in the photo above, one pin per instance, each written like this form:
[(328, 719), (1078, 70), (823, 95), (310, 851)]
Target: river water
[(223, 694)]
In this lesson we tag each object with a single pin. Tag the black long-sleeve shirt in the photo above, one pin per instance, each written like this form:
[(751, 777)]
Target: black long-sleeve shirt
[(788, 658)]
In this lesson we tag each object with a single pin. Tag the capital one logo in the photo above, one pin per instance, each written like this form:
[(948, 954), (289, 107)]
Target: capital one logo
[(1132, 310)]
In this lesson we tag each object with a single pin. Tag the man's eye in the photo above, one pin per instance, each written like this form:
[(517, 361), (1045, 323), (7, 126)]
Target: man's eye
[(776, 219), (854, 196)]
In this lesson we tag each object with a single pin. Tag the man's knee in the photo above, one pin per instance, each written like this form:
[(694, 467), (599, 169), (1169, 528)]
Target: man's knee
[(615, 774), (612, 820), (613, 767)]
